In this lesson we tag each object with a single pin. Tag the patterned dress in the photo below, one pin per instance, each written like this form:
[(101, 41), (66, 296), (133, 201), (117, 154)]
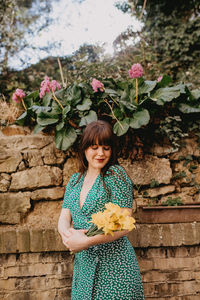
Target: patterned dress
[(107, 271)]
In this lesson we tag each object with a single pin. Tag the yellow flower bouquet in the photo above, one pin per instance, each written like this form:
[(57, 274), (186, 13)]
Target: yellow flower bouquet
[(112, 219)]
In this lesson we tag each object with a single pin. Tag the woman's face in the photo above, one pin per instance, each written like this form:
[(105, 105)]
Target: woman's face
[(97, 156)]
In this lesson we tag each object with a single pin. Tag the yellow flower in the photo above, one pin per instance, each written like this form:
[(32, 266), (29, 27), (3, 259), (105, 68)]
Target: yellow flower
[(128, 223)]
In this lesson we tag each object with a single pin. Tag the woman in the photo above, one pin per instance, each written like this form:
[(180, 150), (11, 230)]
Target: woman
[(105, 266)]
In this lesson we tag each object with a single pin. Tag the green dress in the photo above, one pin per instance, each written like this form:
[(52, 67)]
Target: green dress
[(107, 271)]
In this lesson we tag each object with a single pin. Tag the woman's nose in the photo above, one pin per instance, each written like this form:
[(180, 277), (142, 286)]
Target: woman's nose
[(100, 151)]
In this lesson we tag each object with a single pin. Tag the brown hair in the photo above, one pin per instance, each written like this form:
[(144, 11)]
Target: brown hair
[(101, 132)]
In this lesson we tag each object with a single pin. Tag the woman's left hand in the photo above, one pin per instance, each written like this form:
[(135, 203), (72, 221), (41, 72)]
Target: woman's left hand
[(76, 240)]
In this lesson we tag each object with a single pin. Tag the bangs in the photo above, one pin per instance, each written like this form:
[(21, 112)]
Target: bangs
[(99, 135)]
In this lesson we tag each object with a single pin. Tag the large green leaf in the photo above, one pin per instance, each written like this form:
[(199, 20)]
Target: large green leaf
[(85, 105), (92, 116), (187, 109), (111, 92), (65, 138), (165, 81), (46, 118), (147, 87), (166, 94), (122, 127), (139, 119)]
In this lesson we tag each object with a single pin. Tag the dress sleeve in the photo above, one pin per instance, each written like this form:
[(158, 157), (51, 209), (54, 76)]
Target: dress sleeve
[(68, 189), (120, 187)]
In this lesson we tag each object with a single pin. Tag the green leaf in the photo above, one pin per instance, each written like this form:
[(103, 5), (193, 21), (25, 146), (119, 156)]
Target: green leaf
[(111, 92), (166, 94), (187, 109), (47, 99), (92, 116), (139, 119), (38, 109), (60, 125), (33, 95), (122, 128), (196, 94), (66, 110), (147, 87), (85, 105), (65, 138), (165, 81), (38, 128), (46, 118), (20, 121)]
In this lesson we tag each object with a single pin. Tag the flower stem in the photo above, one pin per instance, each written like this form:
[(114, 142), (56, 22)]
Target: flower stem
[(136, 88), (113, 113), (24, 104), (61, 73), (56, 99)]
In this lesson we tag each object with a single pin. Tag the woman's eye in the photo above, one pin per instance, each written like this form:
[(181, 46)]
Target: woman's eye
[(94, 147), (107, 148)]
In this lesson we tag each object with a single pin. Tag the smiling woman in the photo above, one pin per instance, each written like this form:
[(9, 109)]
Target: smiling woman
[(105, 266)]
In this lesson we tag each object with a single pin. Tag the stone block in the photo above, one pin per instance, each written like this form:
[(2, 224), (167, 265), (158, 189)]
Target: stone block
[(190, 148), (27, 142), (36, 240), (48, 194), (23, 240), (9, 161), (41, 176), (33, 158), (9, 241), (70, 167), (4, 182), (150, 168), (12, 205), (51, 155), (160, 190)]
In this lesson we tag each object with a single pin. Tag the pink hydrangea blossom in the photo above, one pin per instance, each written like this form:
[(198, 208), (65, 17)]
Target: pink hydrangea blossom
[(160, 78), (18, 95), (136, 71), (47, 86), (96, 84)]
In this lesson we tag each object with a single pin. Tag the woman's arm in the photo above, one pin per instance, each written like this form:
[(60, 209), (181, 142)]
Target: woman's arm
[(77, 240), (64, 224)]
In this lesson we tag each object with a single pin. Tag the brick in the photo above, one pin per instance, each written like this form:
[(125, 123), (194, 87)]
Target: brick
[(9, 241), (23, 240)]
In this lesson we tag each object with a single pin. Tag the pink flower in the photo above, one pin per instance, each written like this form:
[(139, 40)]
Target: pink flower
[(159, 78), (136, 71), (55, 85), (18, 95), (96, 84), (47, 86)]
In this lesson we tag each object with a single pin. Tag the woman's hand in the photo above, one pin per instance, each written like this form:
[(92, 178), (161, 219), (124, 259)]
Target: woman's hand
[(76, 240)]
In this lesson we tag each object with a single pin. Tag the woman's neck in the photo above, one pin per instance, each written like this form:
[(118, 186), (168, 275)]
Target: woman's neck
[(93, 172)]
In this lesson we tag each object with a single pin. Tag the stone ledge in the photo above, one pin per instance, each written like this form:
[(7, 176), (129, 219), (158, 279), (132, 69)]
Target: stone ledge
[(22, 240)]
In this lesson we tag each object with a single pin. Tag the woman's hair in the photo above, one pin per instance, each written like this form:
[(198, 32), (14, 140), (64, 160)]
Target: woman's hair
[(97, 132)]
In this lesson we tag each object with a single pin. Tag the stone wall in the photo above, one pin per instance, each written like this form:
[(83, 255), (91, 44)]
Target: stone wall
[(33, 262)]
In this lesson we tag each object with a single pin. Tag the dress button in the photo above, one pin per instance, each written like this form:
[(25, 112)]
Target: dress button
[(85, 219)]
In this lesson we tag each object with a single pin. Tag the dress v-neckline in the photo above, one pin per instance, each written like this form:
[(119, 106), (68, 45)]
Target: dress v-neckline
[(83, 177)]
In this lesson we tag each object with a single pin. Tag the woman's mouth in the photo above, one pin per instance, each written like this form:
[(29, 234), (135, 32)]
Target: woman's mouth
[(100, 160)]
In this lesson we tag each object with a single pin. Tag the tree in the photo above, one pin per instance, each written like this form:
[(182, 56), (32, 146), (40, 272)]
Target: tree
[(19, 21), (172, 32)]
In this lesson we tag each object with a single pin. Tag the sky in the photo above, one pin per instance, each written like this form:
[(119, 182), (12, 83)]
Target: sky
[(74, 23)]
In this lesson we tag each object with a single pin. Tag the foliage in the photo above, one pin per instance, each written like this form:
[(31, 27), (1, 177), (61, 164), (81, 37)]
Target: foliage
[(173, 201), (71, 108), (171, 33)]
